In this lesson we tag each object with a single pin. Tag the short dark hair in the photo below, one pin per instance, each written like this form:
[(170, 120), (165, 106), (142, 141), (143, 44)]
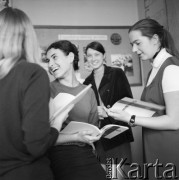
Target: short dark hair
[(96, 46), (66, 47)]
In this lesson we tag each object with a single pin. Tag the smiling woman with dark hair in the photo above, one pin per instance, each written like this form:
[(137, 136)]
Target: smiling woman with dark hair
[(72, 158), (110, 85)]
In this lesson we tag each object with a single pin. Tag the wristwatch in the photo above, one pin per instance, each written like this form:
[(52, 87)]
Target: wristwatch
[(132, 121)]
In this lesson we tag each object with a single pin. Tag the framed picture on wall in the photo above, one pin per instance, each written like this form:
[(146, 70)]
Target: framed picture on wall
[(114, 39)]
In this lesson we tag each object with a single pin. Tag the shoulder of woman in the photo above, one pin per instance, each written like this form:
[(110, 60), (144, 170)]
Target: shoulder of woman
[(31, 68), (172, 70), (117, 71), (90, 90), (88, 79), (31, 72), (170, 77)]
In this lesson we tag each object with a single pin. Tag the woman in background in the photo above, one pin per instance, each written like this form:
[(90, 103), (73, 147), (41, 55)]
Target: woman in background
[(25, 133), (110, 85), (72, 158), (152, 42)]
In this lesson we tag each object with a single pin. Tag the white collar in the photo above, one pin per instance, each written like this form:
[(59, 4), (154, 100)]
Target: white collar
[(158, 61), (160, 58)]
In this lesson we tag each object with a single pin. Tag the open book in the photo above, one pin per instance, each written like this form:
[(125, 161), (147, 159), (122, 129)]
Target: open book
[(64, 100), (137, 107), (109, 131)]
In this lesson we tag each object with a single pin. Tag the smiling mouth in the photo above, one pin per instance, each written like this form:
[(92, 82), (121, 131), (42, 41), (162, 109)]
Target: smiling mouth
[(53, 69), (94, 63)]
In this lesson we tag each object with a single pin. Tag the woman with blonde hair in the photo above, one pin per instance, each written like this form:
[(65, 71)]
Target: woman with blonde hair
[(25, 132)]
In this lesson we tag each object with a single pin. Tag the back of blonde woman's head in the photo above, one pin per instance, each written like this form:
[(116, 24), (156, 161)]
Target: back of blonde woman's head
[(17, 40)]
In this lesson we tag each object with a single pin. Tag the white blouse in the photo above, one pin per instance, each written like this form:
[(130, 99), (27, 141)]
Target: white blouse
[(170, 80)]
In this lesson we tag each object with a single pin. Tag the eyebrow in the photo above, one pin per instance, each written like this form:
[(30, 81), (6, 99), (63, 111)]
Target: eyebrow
[(134, 42), (53, 55)]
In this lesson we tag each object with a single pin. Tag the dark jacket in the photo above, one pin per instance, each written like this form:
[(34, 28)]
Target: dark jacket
[(113, 87)]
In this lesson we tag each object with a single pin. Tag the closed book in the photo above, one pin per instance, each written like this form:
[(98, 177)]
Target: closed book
[(137, 107)]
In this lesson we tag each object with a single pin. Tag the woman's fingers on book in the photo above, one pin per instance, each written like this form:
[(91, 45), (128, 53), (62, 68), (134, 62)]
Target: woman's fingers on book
[(91, 139), (114, 113), (101, 112), (86, 132), (87, 136), (106, 110), (119, 115)]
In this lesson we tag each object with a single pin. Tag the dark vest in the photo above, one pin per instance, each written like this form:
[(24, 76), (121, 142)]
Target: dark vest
[(160, 144)]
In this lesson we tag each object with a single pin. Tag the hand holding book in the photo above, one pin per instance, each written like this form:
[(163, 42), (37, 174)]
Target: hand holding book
[(62, 104), (86, 136), (124, 108), (101, 112), (109, 131), (118, 114)]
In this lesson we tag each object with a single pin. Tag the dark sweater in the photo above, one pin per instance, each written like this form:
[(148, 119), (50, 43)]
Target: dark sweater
[(25, 133)]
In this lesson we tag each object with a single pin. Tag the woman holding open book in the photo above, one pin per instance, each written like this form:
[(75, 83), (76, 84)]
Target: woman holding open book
[(110, 85), (72, 158), (151, 41)]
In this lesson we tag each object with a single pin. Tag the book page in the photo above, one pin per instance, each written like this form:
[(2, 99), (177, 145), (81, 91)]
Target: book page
[(67, 101), (137, 107), (108, 131), (133, 110), (61, 100), (75, 127)]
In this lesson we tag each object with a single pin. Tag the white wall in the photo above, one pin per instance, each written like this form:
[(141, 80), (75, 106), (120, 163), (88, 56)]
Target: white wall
[(89, 13), (80, 12)]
